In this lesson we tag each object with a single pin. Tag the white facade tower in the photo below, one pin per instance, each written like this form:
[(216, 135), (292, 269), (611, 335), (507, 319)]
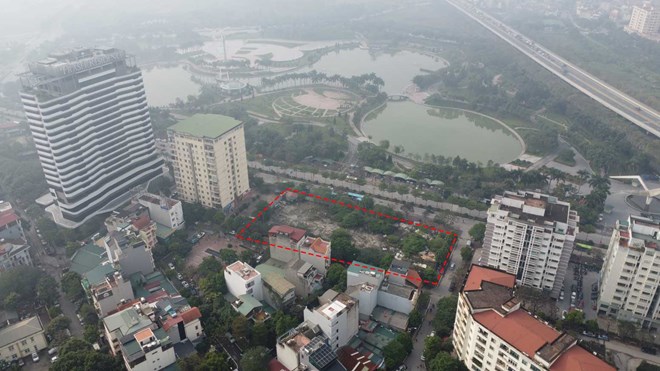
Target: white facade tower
[(89, 118)]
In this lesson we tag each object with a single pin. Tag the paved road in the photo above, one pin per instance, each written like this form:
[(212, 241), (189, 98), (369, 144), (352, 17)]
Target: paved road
[(622, 104)]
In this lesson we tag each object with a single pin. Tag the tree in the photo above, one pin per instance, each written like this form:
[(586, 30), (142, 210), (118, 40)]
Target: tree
[(478, 231), (342, 245), (283, 322), (413, 244), (445, 362), (47, 290), (645, 366), (239, 327), (74, 345), (11, 301), (395, 354), (56, 329), (84, 360), (443, 323), (431, 347), (91, 333), (573, 321), (466, 254), (627, 329), (228, 256), (213, 361), (71, 285), (336, 277), (260, 334), (255, 359), (54, 312)]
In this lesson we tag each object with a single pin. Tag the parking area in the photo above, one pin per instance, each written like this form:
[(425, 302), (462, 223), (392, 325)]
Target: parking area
[(213, 242), (582, 284)]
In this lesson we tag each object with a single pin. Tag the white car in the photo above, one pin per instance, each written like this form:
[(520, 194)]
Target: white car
[(185, 284), (54, 359), (179, 276), (171, 266), (35, 357)]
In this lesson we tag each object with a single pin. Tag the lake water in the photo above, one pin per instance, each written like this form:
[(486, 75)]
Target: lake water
[(446, 132), (397, 70), (164, 85)]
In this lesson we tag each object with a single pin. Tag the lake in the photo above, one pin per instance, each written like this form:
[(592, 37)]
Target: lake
[(396, 69), (447, 132), (164, 85)]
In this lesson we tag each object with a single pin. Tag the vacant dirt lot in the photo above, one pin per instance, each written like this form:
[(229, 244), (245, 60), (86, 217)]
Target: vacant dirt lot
[(314, 218), (213, 242)]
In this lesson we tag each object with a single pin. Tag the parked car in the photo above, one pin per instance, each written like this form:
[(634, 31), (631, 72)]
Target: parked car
[(603, 337), (171, 266), (52, 351), (432, 333), (35, 357), (185, 284), (54, 359), (179, 276), (649, 350)]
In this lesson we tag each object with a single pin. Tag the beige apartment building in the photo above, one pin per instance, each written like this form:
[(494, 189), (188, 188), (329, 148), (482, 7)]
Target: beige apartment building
[(210, 162), (630, 277), (645, 20)]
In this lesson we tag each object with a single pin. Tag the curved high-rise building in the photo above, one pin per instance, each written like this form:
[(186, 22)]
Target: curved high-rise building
[(89, 118)]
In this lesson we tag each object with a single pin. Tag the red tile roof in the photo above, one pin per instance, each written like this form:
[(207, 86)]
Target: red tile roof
[(413, 277), (142, 221), (275, 365), (191, 315), (479, 274), (320, 246), (156, 295), (7, 217), (519, 329), (353, 360), (171, 321), (295, 234), (579, 359)]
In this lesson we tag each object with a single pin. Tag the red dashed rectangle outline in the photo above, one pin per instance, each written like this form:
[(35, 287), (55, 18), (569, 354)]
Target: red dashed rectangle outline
[(239, 235)]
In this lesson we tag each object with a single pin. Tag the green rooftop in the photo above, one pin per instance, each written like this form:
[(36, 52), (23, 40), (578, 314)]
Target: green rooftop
[(87, 258), (249, 304), (205, 125)]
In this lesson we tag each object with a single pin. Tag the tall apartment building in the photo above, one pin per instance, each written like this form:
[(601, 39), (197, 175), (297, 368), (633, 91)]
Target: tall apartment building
[(532, 236), (210, 163), (630, 277), (90, 122), (493, 332), (645, 20)]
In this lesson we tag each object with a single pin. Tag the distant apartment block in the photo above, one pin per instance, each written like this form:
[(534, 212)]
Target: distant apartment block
[(88, 114), (10, 223), (630, 277), (337, 316), (493, 332), (645, 21), (531, 236), (13, 255), (210, 162)]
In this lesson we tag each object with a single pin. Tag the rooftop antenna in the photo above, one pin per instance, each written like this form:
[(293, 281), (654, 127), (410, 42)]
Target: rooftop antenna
[(648, 193)]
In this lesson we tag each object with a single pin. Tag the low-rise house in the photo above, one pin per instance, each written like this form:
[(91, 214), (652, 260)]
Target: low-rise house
[(277, 291), (242, 279), (250, 308), (10, 224), (148, 350), (129, 251), (13, 255), (372, 286), (107, 287), (337, 316), (164, 211), (169, 317), (306, 347), (285, 242), (22, 339)]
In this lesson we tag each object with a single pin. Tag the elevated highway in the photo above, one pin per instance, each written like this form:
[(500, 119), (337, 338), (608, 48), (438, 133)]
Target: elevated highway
[(629, 108)]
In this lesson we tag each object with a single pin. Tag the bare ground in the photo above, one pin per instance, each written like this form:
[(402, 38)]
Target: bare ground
[(314, 218)]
